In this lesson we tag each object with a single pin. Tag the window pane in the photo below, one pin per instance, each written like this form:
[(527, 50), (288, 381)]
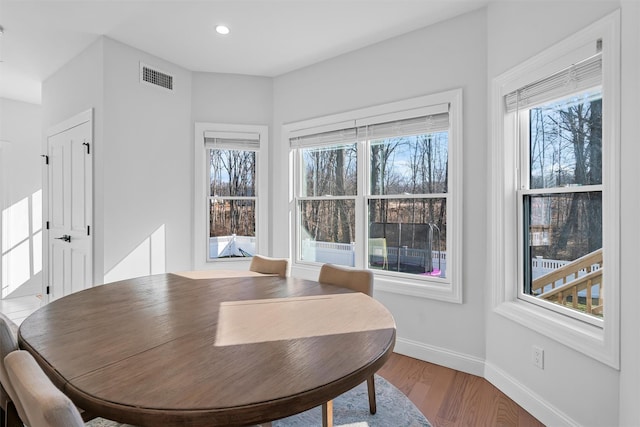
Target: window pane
[(232, 173), (566, 142), (414, 164), (327, 231), (564, 247), (232, 228), (408, 235), (329, 171)]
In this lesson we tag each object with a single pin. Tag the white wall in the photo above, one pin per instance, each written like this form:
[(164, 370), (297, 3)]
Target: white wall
[(572, 388), (629, 214), (20, 185), (147, 165), (445, 56), (232, 98)]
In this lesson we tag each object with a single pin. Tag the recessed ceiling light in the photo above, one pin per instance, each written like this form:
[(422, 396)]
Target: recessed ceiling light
[(222, 29)]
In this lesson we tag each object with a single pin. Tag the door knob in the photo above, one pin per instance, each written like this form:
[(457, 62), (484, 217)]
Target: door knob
[(64, 237)]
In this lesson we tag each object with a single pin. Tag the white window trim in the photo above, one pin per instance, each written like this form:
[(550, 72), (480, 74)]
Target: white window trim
[(449, 290), (599, 342), (200, 226)]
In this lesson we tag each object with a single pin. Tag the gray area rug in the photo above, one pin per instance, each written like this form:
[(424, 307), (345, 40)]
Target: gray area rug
[(352, 410), (349, 410)]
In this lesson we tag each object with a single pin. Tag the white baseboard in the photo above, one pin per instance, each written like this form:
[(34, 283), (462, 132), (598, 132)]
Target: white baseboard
[(440, 356), (535, 404)]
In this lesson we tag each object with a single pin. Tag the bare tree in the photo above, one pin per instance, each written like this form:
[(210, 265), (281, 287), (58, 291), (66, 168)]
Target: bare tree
[(566, 150)]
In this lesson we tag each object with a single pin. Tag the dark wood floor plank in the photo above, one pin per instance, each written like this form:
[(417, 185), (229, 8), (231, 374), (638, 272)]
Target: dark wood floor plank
[(450, 398)]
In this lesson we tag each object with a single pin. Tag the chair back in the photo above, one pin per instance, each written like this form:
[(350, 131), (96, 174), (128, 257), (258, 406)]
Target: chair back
[(45, 404), (358, 280), (267, 265), (8, 344)]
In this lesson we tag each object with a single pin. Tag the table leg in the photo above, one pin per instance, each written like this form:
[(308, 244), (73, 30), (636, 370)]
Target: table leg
[(12, 417), (327, 414), (372, 394)]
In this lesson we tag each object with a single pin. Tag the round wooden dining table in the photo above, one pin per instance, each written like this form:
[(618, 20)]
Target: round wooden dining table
[(208, 350)]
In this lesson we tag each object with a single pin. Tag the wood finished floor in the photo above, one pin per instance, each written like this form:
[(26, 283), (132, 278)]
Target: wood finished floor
[(450, 398)]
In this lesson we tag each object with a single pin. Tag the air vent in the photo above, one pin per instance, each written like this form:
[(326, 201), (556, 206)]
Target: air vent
[(155, 77)]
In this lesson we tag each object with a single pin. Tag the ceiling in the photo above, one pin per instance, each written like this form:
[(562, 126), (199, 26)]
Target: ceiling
[(267, 38)]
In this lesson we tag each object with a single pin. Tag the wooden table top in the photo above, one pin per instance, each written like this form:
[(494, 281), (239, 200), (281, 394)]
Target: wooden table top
[(172, 350)]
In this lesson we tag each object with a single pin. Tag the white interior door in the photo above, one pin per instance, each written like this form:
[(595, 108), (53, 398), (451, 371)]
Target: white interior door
[(70, 199)]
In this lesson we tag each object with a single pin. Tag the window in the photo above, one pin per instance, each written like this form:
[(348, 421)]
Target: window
[(407, 202), (232, 197), (230, 176), (555, 192), (381, 191), (328, 189), (561, 202)]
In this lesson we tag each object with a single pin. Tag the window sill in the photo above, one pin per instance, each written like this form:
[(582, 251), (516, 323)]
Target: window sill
[(583, 337), (440, 291)]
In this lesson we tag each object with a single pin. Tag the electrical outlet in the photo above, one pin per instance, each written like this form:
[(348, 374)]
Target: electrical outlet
[(538, 357)]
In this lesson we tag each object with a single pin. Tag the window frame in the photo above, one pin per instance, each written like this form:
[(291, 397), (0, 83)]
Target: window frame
[(449, 289), (201, 193), (599, 340)]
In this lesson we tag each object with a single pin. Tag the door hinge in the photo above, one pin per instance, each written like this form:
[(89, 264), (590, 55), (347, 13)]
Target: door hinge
[(48, 290), (46, 158), (47, 225), (87, 145), (88, 230)]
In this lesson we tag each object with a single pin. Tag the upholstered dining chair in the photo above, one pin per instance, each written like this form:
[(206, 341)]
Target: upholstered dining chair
[(357, 280), (360, 281), (44, 403), (13, 412), (15, 415), (268, 265)]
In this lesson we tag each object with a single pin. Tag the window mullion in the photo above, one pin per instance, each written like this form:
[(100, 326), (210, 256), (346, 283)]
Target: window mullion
[(523, 149), (563, 190), (408, 196), (323, 198), (362, 207)]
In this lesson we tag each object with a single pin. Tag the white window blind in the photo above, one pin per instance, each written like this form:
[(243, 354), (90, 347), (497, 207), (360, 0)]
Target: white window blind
[(413, 126), (232, 140), (576, 78), (386, 126), (341, 136)]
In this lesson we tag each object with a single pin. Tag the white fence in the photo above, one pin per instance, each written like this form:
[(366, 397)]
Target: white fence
[(333, 253), (345, 254), (542, 266)]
